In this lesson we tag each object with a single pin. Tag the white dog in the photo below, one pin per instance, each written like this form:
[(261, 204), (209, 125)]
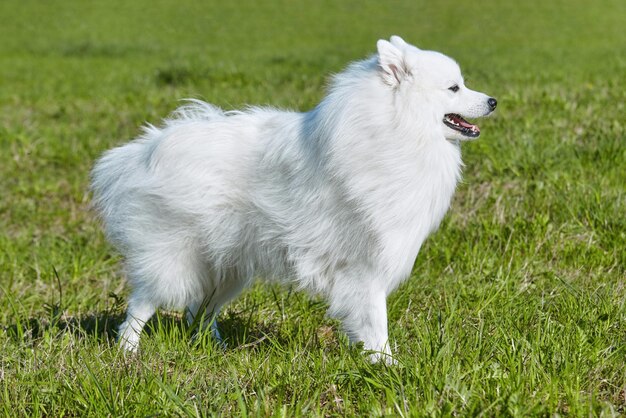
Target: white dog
[(337, 200)]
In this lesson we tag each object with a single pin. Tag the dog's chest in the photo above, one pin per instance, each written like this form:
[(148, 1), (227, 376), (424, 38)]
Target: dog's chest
[(410, 203)]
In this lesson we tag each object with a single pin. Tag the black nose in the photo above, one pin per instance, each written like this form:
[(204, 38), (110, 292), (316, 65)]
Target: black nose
[(492, 103)]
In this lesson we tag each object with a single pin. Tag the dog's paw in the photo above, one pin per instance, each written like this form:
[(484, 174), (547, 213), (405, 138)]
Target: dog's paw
[(380, 357), (128, 339)]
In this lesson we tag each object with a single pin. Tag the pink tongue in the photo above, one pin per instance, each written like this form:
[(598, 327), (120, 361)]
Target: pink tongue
[(466, 124)]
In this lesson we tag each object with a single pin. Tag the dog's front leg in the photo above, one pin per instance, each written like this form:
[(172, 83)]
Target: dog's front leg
[(362, 308)]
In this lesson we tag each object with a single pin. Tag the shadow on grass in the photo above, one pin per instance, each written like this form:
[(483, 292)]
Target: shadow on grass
[(237, 331)]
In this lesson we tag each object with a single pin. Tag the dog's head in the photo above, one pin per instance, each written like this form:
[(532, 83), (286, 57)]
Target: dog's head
[(432, 82)]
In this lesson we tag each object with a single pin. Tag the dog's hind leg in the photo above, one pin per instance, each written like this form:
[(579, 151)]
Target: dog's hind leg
[(139, 312), (208, 320), (168, 276), (210, 307)]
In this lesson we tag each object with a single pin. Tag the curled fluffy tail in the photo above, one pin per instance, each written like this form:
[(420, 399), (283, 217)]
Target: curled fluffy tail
[(126, 167), (115, 176)]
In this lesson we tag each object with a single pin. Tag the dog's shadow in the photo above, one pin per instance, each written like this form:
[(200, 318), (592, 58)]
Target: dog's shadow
[(102, 327)]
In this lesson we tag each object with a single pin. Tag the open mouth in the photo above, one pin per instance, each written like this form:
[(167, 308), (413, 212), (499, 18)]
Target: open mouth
[(456, 122)]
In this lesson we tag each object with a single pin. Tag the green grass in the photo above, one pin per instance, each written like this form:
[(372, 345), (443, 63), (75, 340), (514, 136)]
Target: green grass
[(517, 305)]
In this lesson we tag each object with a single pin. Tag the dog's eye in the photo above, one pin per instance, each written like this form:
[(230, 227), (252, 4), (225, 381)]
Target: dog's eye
[(454, 88)]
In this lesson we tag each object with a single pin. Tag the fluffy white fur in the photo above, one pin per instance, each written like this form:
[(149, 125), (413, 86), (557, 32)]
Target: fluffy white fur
[(337, 200)]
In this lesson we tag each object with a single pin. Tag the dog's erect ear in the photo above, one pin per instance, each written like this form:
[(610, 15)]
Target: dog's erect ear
[(391, 61), (398, 42)]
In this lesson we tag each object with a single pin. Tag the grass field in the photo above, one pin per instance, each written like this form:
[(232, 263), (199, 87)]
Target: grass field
[(516, 307)]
